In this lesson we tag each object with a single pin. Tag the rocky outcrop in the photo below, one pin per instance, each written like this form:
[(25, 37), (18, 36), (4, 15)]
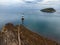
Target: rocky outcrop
[(9, 36), (49, 10)]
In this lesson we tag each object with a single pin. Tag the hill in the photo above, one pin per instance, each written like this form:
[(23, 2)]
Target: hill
[(9, 36)]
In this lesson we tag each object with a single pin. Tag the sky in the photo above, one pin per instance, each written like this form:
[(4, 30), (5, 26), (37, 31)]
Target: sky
[(11, 2), (27, 3)]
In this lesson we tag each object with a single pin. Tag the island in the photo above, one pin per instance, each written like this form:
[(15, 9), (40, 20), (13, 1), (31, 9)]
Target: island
[(48, 10)]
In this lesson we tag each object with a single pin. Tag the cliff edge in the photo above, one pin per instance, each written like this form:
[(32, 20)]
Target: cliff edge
[(9, 36)]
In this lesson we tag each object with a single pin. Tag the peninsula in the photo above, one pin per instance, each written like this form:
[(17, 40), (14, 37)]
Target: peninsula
[(9, 35)]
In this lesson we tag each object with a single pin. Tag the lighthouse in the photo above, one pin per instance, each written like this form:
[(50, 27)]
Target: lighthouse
[(22, 19)]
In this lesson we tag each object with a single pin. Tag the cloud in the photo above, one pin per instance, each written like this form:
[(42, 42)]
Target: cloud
[(8, 2), (50, 1), (11, 2), (32, 1)]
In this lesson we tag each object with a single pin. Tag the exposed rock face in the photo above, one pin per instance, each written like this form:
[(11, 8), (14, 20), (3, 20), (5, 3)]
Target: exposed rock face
[(49, 10), (9, 36)]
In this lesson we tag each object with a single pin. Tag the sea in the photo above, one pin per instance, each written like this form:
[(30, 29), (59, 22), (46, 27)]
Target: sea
[(45, 24)]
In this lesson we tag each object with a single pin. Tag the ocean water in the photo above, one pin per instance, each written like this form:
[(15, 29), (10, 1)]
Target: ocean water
[(45, 24)]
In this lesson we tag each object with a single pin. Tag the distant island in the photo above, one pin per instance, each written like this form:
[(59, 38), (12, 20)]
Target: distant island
[(48, 10)]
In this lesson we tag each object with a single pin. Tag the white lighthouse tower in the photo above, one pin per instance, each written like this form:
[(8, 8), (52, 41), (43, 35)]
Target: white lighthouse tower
[(22, 19)]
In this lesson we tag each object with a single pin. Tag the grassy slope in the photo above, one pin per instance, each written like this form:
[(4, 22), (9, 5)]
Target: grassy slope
[(32, 38), (28, 37)]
